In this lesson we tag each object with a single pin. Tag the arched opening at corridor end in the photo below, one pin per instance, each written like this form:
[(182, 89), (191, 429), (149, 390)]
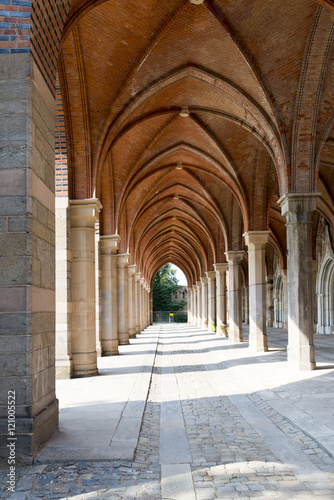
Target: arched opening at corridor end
[(169, 296)]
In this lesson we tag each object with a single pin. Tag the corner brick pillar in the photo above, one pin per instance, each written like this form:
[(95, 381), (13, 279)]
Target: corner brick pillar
[(123, 298), (256, 242), (221, 325), (298, 208), (211, 276), (27, 255), (132, 301), (84, 214), (199, 303), (234, 291), (108, 293), (137, 302)]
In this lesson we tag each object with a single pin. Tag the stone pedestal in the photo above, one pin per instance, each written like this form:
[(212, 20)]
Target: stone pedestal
[(199, 304), (132, 301), (221, 298), (256, 242), (298, 209), (137, 303), (123, 298), (211, 276), (84, 213), (108, 295), (204, 302), (235, 303)]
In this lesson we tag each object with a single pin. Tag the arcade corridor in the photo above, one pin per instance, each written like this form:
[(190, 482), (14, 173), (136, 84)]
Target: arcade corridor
[(217, 424)]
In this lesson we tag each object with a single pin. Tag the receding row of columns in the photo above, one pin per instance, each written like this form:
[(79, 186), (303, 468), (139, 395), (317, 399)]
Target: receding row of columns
[(207, 303), (124, 295)]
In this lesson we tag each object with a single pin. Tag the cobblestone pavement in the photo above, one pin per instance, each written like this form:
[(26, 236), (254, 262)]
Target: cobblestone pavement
[(230, 459)]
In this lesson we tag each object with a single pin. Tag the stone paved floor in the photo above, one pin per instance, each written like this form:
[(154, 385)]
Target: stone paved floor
[(241, 445)]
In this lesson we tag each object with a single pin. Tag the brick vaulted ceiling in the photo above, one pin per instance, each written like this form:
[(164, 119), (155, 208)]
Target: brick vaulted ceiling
[(257, 78)]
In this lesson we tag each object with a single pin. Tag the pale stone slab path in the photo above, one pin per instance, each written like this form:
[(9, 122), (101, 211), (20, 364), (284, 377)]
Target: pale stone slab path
[(100, 417)]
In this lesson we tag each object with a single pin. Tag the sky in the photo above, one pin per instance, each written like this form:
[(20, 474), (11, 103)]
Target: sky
[(180, 276)]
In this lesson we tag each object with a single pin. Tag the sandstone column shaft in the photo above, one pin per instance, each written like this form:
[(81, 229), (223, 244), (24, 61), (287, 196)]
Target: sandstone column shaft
[(204, 302), (84, 214), (123, 298), (211, 275), (132, 301), (109, 299), (137, 302), (199, 303), (221, 269), (256, 242), (298, 209), (235, 302)]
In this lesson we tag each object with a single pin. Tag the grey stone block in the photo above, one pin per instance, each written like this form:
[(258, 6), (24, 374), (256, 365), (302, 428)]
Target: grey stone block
[(15, 205), (15, 271), (15, 324), (15, 155), (12, 245)]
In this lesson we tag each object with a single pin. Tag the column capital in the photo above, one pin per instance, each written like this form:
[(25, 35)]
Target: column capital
[(220, 267), (199, 284), (211, 275), (142, 281), (123, 259), (204, 280), (132, 269), (194, 287), (137, 276), (84, 213), (235, 256), (298, 207), (256, 240), (109, 243)]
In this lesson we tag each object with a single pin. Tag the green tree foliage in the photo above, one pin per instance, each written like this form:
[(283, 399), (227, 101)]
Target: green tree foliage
[(165, 285)]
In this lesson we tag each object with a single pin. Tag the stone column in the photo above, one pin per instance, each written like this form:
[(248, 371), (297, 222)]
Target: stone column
[(137, 302), (84, 213), (108, 294), (141, 295), (211, 275), (298, 209), (132, 301), (199, 303), (64, 365), (235, 303), (285, 314), (246, 304), (123, 298), (190, 293), (204, 302), (221, 298), (195, 305), (151, 307), (256, 242), (270, 300)]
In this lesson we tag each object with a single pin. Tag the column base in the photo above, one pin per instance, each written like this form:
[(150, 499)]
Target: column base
[(132, 334), (64, 367), (123, 339), (302, 358), (84, 364), (235, 336), (109, 348), (258, 343), (138, 332), (32, 433), (222, 331)]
